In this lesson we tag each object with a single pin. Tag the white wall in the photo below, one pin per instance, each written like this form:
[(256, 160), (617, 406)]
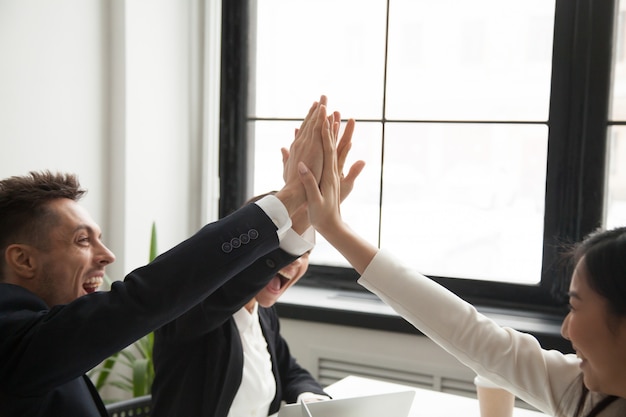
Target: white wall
[(105, 89), (53, 93), (150, 108)]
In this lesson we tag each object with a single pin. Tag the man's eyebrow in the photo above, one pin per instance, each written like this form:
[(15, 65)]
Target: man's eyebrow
[(82, 227), (573, 294), (86, 227)]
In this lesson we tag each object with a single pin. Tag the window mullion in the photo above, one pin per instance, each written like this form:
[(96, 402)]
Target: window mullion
[(578, 119)]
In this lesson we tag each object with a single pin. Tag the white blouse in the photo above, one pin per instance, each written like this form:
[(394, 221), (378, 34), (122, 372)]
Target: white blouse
[(258, 386), (547, 379)]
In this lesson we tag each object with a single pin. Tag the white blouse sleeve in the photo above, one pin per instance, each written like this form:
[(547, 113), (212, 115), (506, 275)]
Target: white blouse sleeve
[(509, 358)]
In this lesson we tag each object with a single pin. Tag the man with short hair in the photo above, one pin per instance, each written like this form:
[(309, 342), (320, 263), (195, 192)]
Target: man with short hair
[(55, 326)]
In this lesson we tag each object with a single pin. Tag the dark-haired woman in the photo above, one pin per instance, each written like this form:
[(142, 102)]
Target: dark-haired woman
[(591, 382)]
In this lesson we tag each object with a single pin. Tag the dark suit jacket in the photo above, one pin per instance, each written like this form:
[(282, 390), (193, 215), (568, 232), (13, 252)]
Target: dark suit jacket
[(198, 362), (44, 353)]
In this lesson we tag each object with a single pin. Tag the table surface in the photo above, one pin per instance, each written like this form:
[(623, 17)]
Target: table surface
[(426, 403)]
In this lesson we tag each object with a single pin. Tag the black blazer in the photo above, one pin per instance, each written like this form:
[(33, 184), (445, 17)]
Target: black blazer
[(199, 364), (44, 353)]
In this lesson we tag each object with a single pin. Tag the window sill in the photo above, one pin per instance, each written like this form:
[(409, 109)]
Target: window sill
[(365, 310)]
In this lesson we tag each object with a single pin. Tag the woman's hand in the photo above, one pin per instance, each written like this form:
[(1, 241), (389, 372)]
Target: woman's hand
[(343, 148), (306, 146), (323, 200)]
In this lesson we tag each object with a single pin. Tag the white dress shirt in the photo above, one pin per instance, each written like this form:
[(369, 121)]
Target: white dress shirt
[(258, 386)]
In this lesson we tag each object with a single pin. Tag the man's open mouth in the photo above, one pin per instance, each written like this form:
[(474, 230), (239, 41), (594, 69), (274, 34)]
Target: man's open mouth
[(92, 284), (278, 282), (283, 279)]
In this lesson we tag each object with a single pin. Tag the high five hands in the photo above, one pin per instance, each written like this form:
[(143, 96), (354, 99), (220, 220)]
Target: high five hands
[(324, 195), (343, 146)]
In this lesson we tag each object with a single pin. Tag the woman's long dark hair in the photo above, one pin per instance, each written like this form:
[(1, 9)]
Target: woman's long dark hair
[(598, 408), (605, 261)]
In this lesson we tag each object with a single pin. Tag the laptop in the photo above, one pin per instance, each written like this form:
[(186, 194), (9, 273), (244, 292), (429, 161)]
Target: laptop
[(395, 404)]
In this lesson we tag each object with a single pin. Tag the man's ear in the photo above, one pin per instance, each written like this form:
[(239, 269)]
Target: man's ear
[(20, 260)]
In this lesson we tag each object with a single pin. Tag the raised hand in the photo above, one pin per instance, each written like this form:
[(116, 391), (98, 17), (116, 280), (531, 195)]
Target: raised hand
[(307, 146), (343, 148), (323, 199), (346, 183), (323, 206)]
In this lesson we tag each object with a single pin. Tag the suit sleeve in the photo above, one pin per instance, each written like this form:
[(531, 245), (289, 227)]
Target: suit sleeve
[(212, 312), (42, 349), (228, 299)]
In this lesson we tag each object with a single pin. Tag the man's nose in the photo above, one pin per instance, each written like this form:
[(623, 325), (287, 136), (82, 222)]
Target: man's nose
[(105, 256)]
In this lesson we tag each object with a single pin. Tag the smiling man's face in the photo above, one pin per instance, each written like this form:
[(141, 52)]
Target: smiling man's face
[(72, 262), (285, 278)]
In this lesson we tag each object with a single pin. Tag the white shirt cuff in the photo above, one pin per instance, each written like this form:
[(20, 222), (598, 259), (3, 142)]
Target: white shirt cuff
[(290, 241)]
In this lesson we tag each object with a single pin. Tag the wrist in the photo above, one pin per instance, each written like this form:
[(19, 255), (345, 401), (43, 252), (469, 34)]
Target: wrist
[(300, 220), (330, 228), (293, 198)]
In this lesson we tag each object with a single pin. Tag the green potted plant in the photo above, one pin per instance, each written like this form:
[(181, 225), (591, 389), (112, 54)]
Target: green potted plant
[(131, 370)]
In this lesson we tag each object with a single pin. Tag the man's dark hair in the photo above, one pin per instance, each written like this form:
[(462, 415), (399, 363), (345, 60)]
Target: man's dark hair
[(24, 213)]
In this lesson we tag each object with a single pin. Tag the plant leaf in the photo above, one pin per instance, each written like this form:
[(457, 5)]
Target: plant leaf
[(153, 243), (137, 359), (140, 380)]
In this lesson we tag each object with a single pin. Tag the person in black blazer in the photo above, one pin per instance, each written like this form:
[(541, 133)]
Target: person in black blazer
[(199, 357), (199, 363), (55, 326)]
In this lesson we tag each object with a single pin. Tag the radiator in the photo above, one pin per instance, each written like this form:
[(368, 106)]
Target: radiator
[(332, 370)]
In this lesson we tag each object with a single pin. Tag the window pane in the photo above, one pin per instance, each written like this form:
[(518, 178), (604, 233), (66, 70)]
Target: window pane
[(618, 105), (616, 176), (466, 200), (616, 196), (468, 197), (308, 48), (266, 140), (462, 60)]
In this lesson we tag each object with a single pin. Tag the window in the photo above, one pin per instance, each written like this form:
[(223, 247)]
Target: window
[(616, 198), (483, 125)]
